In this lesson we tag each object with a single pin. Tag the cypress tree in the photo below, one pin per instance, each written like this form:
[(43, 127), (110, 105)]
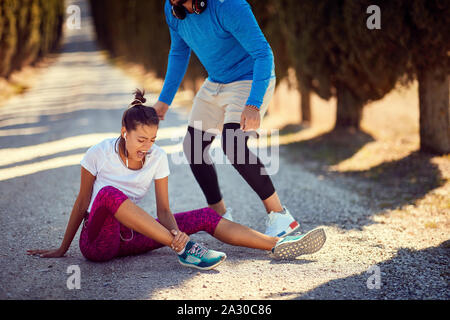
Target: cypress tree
[(269, 15), (8, 38), (28, 34), (29, 29), (429, 51), (327, 43), (305, 40)]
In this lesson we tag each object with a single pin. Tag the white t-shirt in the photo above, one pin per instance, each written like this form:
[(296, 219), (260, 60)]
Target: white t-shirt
[(102, 161)]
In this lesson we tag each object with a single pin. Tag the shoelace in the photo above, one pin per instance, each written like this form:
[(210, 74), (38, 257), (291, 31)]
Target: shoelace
[(198, 250)]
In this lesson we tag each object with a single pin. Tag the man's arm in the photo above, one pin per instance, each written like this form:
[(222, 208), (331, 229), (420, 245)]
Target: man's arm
[(237, 17), (176, 68)]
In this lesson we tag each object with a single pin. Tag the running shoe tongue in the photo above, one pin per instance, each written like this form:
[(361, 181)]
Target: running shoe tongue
[(198, 250), (189, 245)]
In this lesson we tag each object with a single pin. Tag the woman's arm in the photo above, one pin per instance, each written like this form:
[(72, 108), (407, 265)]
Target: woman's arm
[(165, 216), (79, 208), (76, 217)]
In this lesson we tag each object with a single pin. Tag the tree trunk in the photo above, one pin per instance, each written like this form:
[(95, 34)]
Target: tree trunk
[(305, 103), (349, 109), (434, 111)]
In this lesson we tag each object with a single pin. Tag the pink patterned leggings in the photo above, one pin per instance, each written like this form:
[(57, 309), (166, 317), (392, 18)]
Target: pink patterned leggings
[(103, 237)]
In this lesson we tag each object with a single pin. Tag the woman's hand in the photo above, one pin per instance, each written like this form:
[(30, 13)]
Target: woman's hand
[(180, 240), (161, 109), (47, 253), (250, 118)]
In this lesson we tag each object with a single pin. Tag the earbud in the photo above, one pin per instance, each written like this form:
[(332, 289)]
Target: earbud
[(126, 153)]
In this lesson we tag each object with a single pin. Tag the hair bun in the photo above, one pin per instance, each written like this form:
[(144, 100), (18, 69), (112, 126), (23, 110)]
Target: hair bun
[(138, 97)]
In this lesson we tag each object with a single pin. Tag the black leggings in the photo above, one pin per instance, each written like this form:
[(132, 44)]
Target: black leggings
[(196, 146)]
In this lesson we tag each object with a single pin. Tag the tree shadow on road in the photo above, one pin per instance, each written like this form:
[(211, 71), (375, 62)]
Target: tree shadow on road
[(402, 181), (389, 185), (329, 148), (410, 274)]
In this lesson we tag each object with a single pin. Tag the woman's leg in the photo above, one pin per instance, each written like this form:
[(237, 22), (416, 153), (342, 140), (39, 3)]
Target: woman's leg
[(208, 220), (190, 222), (239, 235), (204, 219), (100, 235), (135, 218), (112, 213)]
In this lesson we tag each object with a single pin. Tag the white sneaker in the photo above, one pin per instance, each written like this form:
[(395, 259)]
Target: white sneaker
[(280, 224), (228, 215)]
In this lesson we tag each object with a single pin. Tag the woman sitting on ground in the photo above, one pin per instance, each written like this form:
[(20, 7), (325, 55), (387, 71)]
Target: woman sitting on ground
[(116, 173)]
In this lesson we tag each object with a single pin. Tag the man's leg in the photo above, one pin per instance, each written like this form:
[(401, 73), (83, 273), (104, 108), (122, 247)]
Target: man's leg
[(249, 166), (196, 147), (206, 115), (234, 143)]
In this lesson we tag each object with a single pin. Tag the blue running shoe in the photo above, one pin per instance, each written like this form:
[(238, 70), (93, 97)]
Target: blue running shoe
[(291, 247), (199, 257)]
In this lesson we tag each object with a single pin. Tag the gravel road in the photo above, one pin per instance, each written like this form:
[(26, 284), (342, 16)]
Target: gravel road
[(79, 100)]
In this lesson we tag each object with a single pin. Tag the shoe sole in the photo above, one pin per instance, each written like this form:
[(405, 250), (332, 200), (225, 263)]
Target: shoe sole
[(308, 244), (203, 268)]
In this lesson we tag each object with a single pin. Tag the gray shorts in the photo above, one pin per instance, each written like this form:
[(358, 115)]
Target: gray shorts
[(216, 104)]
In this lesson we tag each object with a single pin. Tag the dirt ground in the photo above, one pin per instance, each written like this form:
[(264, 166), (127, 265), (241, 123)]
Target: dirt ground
[(385, 206)]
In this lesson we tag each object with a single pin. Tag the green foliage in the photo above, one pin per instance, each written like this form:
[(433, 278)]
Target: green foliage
[(429, 23), (8, 39), (335, 54), (136, 30), (29, 29), (269, 19), (308, 41)]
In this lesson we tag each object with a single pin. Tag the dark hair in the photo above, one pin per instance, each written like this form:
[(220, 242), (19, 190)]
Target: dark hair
[(137, 114)]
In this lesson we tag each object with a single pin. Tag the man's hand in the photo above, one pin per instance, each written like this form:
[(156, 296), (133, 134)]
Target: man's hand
[(250, 118), (161, 109)]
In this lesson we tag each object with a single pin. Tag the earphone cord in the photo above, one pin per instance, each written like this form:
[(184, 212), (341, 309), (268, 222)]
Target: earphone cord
[(142, 163), (126, 155)]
